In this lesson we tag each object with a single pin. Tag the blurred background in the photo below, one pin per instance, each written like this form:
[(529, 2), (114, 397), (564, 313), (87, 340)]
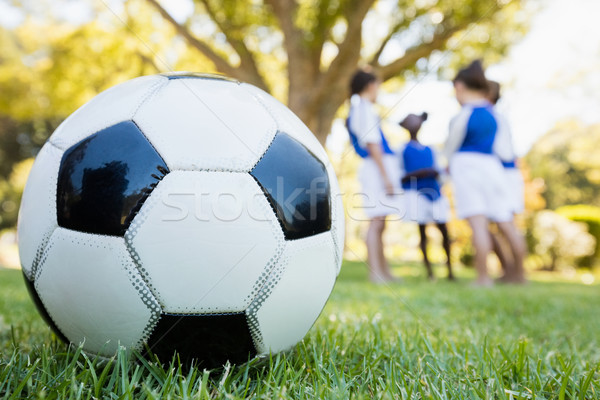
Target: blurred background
[(56, 55)]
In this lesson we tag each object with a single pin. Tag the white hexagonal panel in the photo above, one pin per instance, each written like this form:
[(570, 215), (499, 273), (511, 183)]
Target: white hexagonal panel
[(204, 239), (37, 215), (93, 292), (295, 293), (289, 123), (206, 124), (110, 107)]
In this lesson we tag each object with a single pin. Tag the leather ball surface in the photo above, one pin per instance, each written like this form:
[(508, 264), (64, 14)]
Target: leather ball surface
[(182, 213)]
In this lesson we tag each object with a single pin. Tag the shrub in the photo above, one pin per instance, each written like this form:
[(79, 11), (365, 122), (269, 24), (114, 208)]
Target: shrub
[(589, 215), (559, 240)]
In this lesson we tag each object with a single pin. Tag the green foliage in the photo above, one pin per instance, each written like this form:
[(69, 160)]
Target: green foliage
[(487, 37), (568, 160), (416, 340), (12, 190), (589, 215), (20, 140), (26, 117), (47, 71)]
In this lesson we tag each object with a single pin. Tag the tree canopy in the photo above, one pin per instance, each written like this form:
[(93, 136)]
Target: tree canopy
[(316, 45), (47, 70), (302, 51), (567, 159)]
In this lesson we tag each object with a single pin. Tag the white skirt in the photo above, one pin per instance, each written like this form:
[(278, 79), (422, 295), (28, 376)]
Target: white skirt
[(479, 182), (516, 189), (375, 201), (422, 210)]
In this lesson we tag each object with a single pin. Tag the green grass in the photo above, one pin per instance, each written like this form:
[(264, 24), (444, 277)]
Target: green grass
[(416, 340)]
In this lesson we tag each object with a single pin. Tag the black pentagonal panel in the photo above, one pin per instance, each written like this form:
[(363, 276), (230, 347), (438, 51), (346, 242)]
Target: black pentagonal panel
[(42, 310), (296, 183), (104, 180), (208, 340)]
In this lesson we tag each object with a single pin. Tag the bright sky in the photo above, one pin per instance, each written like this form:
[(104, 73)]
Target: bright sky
[(553, 74)]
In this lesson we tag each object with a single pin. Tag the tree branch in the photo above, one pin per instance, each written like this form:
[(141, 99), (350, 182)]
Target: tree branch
[(355, 14), (390, 35), (413, 54), (220, 63), (405, 22), (322, 30), (348, 50), (146, 60), (248, 67), (285, 10)]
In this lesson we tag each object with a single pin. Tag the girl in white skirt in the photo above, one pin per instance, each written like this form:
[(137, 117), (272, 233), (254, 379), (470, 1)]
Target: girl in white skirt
[(424, 200), (504, 149), (477, 174), (378, 173)]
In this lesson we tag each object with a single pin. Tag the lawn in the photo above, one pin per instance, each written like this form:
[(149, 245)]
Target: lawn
[(417, 340)]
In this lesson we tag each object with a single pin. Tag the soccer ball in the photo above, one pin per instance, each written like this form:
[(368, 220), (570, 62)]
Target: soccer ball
[(181, 213)]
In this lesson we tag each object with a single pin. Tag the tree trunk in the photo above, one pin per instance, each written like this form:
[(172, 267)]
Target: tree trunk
[(315, 96), (318, 115), (318, 123)]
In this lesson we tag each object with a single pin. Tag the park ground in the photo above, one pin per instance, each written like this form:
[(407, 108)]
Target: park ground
[(416, 339)]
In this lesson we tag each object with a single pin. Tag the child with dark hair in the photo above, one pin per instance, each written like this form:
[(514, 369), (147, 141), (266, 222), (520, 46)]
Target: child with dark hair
[(378, 172), (478, 177), (423, 198), (493, 93), (472, 77)]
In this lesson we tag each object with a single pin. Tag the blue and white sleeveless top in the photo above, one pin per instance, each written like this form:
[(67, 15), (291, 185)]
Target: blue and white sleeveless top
[(503, 144), (364, 127), (413, 157), (473, 130)]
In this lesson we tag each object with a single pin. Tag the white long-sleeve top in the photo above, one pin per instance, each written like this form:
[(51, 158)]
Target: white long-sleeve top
[(364, 121)]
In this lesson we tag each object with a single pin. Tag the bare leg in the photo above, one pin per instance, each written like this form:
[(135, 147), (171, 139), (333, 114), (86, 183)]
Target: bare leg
[(422, 232), (386, 270), (385, 266), (518, 249), (375, 250), (503, 257), (482, 243), (446, 242)]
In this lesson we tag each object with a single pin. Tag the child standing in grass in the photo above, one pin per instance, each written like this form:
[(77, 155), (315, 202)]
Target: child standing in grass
[(423, 198), (478, 177), (503, 147), (377, 174)]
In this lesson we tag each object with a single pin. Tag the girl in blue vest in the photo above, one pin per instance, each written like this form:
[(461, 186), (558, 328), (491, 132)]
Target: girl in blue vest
[(378, 173), (477, 174), (424, 200)]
